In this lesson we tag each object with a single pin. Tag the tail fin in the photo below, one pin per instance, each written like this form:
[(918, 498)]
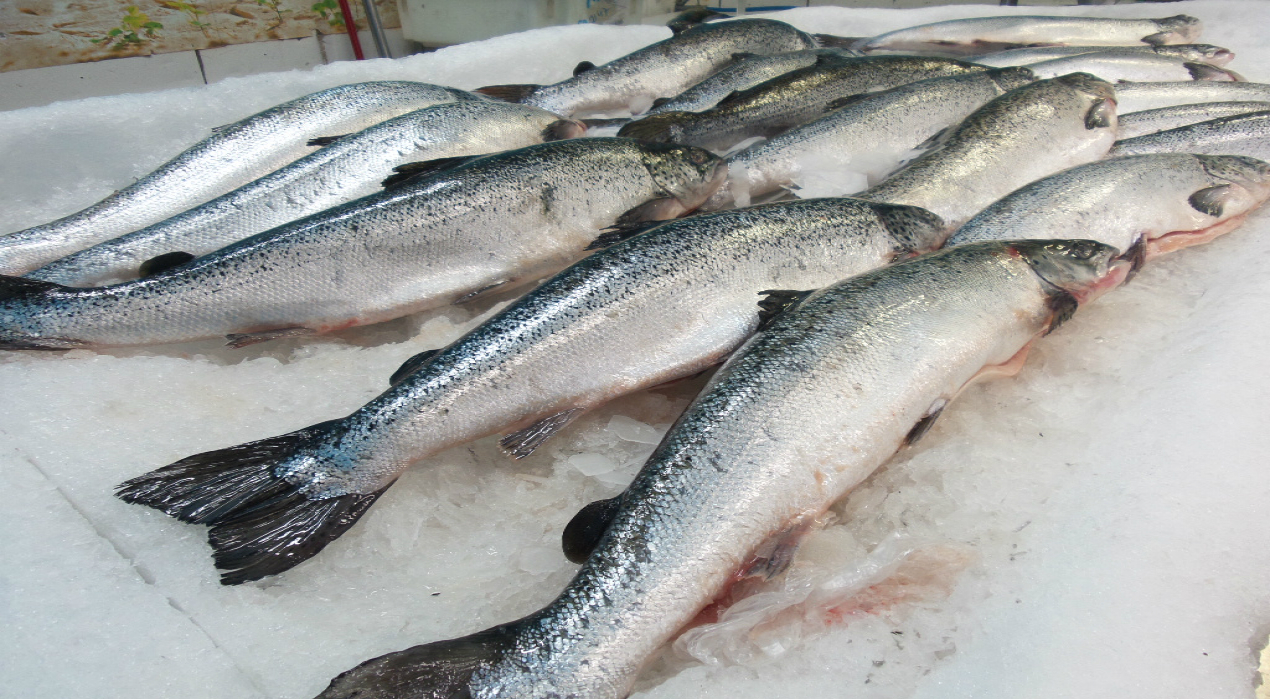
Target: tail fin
[(435, 670), (507, 93), (261, 524), (37, 293)]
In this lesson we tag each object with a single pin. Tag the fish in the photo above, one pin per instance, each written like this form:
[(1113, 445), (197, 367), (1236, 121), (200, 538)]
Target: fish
[(1196, 53), (791, 99), (879, 128), (232, 156), (494, 222), (351, 167), (985, 34), (684, 294), (663, 69), (1137, 97), (742, 74), (1242, 134), (1149, 204), (1165, 118), (1141, 67), (801, 414), (1021, 136)]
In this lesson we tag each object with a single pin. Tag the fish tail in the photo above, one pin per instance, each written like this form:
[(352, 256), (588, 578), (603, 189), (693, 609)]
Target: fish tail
[(261, 523), (440, 669), (17, 292)]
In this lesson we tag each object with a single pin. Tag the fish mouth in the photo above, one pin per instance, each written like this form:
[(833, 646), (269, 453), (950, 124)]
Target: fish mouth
[(1119, 270)]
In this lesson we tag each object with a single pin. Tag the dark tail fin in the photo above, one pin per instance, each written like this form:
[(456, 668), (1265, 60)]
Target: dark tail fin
[(37, 293), (261, 524), (435, 670), (507, 93)]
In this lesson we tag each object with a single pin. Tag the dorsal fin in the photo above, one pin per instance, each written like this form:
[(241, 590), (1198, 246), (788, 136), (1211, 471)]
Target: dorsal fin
[(622, 231), (776, 302), (410, 366), (423, 168), (841, 102), (728, 99), (325, 140), (584, 531), (660, 101), (162, 263), (507, 93), (583, 67), (742, 55)]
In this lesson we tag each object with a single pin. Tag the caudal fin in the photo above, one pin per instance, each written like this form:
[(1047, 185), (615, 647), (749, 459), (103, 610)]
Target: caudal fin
[(261, 524), (433, 671)]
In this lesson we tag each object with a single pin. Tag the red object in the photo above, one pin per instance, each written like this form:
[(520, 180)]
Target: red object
[(350, 25)]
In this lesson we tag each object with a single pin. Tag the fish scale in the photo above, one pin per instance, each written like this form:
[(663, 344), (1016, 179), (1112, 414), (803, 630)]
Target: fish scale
[(231, 157)]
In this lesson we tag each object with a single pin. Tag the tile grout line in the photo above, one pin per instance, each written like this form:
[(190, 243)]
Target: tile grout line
[(140, 571)]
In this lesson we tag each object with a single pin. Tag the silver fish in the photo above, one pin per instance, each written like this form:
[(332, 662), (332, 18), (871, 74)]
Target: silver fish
[(791, 99), (686, 295), (1137, 97), (1025, 134), (805, 411), (1242, 134), (663, 69), (740, 75), (880, 128), (496, 221), (231, 157), (984, 34), (1196, 53), (350, 167), (1151, 204), (1165, 118), (1142, 67)]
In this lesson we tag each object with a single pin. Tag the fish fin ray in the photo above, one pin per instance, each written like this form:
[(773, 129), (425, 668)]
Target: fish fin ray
[(1062, 304), (522, 443), (830, 41), (321, 141), (776, 302), (410, 366), (12, 288), (409, 172), (923, 425), (584, 531)]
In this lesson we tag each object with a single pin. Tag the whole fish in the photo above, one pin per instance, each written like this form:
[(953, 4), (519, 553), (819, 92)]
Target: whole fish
[(1165, 118), (231, 157), (1242, 134), (739, 75), (1151, 204), (805, 411), (1021, 136), (791, 99), (1137, 97), (350, 167), (878, 129), (1196, 53), (496, 221), (686, 295), (984, 34), (1141, 67), (663, 69)]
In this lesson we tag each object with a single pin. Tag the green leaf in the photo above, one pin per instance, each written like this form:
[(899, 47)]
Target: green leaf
[(152, 25), (114, 32)]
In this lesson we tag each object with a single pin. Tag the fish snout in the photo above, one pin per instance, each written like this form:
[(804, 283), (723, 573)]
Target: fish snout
[(1089, 84)]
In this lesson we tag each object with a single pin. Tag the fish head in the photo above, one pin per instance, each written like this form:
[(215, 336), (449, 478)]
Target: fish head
[(1178, 29), (915, 230), (687, 174), (1207, 53), (1011, 78), (1241, 184), (1084, 269)]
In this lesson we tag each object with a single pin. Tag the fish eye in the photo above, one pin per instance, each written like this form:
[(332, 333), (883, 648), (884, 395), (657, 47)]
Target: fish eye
[(1084, 250)]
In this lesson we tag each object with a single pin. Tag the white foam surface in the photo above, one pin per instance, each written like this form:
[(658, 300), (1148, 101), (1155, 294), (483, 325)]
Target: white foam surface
[(1095, 527)]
